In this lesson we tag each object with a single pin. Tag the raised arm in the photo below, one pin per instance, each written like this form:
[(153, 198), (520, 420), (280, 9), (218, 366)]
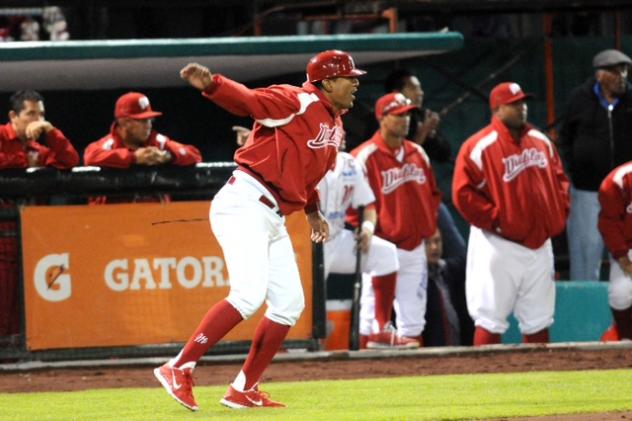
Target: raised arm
[(267, 105)]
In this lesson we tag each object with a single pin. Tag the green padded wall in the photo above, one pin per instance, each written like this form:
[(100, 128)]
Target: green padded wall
[(581, 313)]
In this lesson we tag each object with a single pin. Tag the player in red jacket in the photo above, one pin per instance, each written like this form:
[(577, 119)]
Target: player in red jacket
[(615, 225), (292, 144), (27, 140), (407, 200), (510, 186), (132, 141)]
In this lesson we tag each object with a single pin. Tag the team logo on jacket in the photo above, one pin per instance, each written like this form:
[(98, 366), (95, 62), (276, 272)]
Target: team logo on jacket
[(515, 164), (629, 208), (395, 177), (327, 136)]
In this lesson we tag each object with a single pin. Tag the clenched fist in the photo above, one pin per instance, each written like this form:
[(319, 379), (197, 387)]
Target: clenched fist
[(36, 128), (198, 76), (151, 155)]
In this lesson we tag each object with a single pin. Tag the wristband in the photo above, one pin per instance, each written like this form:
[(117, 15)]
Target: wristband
[(369, 226)]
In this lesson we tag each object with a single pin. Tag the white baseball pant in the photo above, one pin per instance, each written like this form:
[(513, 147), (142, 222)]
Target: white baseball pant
[(410, 295), (340, 255), (257, 250), (620, 286), (503, 276)]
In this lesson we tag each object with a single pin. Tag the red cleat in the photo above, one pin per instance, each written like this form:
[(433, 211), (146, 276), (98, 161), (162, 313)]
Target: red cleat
[(178, 382), (253, 398), (389, 339), (611, 334)]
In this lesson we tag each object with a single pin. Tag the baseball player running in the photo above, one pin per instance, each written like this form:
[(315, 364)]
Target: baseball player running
[(510, 186), (294, 141), (407, 200), (343, 187), (615, 225)]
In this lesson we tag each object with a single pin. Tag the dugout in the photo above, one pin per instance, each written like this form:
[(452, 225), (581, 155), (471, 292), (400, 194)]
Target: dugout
[(80, 82), (456, 83)]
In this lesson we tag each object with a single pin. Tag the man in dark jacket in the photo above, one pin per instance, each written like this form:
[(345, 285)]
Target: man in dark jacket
[(424, 123), (594, 139), (448, 322)]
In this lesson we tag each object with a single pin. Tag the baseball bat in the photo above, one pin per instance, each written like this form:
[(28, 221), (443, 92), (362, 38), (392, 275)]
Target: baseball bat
[(354, 330)]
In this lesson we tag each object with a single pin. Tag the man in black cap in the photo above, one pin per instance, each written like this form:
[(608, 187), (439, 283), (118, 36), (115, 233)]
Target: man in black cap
[(594, 139)]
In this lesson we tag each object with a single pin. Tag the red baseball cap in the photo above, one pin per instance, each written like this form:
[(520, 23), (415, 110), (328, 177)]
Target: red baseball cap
[(134, 105), (393, 103), (506, 93)]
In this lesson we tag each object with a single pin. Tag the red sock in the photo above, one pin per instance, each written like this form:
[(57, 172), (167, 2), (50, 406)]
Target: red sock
[(384, 288), (541, 337), (363, 341), (623, 321), (268, 339), (483, 336), (217, 322)]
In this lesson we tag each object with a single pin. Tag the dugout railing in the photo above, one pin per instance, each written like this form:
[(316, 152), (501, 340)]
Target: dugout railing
[(47, 186)]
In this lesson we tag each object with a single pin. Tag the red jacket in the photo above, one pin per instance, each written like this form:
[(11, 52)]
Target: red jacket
[(407, 198), (293, 142), (518, 191), (58, 153), (615, 217), (111, 152)]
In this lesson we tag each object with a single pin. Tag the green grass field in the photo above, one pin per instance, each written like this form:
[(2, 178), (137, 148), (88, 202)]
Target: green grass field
[(455, 397)]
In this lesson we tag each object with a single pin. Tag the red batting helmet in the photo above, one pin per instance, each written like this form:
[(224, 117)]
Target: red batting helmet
[(330, 64)]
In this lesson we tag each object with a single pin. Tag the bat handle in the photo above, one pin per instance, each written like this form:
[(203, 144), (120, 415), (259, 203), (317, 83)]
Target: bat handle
[(354, 331)]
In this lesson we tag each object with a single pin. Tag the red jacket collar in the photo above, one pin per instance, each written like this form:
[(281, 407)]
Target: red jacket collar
[(11, 132), (312, 89), (379, 141), (118, 142), (13, 137), (504, 132)]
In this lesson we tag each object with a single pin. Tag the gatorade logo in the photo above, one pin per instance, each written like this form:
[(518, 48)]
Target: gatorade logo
[(52, 278)]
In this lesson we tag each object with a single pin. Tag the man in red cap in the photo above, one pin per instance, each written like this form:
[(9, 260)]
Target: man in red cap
[(292, 144), (510, 186), (407, 200), (132, 141)]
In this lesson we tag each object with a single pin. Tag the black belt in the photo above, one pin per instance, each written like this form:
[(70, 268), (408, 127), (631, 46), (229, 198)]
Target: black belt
[(263, 199)]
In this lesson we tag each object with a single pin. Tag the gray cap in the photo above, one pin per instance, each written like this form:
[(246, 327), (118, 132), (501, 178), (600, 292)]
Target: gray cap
[(609, 58)]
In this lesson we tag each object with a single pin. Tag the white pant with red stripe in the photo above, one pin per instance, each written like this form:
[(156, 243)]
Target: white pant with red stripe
[(410, 295), (257, 250), (503, 277)]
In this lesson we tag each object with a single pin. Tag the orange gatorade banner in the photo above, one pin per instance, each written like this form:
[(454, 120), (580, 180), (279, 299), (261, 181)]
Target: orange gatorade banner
[(132, 274)]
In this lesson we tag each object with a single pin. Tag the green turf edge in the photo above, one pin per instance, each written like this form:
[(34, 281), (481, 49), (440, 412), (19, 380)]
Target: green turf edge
[(453, 397)]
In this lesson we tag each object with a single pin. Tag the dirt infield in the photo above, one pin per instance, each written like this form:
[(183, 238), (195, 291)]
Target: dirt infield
[(223, 373)]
